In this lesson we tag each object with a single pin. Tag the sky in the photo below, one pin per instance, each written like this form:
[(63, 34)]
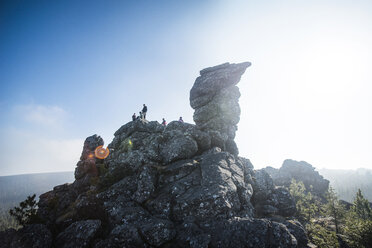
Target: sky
[(70, 69)]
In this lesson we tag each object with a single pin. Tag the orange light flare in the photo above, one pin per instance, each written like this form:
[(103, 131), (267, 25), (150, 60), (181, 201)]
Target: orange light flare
[(90, 156), (101, 152)]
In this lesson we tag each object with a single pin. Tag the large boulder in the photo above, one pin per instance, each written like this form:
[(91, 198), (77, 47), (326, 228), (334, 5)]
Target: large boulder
[(79, 234), (215, 98)]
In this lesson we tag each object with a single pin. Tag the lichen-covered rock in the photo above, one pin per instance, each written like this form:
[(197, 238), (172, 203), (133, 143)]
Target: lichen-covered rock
[(179, 147), (243, 232), (145, 184), (122, 236), (30, 236), (157, 232), (79, 234)]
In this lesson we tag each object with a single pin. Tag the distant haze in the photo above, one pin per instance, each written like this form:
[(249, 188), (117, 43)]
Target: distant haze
[(14, 189), (71, 69)]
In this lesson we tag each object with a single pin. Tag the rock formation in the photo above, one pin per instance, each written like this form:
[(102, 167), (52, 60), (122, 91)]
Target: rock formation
[(215, 97), (300, 171), (182, 185)]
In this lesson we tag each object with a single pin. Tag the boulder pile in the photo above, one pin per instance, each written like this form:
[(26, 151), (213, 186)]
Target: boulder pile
[(182, 185)]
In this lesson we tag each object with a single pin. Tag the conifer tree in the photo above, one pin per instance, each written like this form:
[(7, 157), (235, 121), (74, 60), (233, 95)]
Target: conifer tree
[(361, 206), (305, 203), (26, 212), (335, 209), (359, 223)]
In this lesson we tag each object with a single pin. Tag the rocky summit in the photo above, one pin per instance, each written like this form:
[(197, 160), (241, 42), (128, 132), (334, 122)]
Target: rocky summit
[(182, 185)]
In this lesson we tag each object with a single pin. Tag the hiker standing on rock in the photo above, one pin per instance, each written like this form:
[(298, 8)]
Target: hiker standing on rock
[(180, 120), (144, 111), (164, 123), (134, 117)]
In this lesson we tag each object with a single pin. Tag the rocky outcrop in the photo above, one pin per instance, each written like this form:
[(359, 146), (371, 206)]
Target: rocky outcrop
[(300, 171), (214, 97), (86, 166), (182, 185)]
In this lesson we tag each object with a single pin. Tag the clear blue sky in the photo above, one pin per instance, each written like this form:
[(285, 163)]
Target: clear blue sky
[(70, 69)]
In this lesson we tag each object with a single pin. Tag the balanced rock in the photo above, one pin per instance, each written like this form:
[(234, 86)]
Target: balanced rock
[(215, 98)]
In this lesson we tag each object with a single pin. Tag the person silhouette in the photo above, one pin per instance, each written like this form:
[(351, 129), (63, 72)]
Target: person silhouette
[(164, 123), (144, 111)]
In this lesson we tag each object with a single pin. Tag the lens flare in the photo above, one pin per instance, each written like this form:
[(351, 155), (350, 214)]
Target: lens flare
[(101, 152)]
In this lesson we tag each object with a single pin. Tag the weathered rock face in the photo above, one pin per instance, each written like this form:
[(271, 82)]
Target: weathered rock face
[(182, 185), (300, 171), (215, 97), (79, 234), (270, 200), (87, 164)]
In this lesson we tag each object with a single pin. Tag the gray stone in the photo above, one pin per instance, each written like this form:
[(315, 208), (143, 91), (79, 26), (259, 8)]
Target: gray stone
[(177, 148), (215, 97), (30, 236), (213, 79), (270, 200), (79, 234), (298, 231), (158, 231), (124, 235), (243, 232)]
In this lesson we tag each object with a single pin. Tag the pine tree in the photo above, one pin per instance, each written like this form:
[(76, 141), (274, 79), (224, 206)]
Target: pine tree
[(26, 212), (305, 203), (361, 206), (358, 227), (335, 209)]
